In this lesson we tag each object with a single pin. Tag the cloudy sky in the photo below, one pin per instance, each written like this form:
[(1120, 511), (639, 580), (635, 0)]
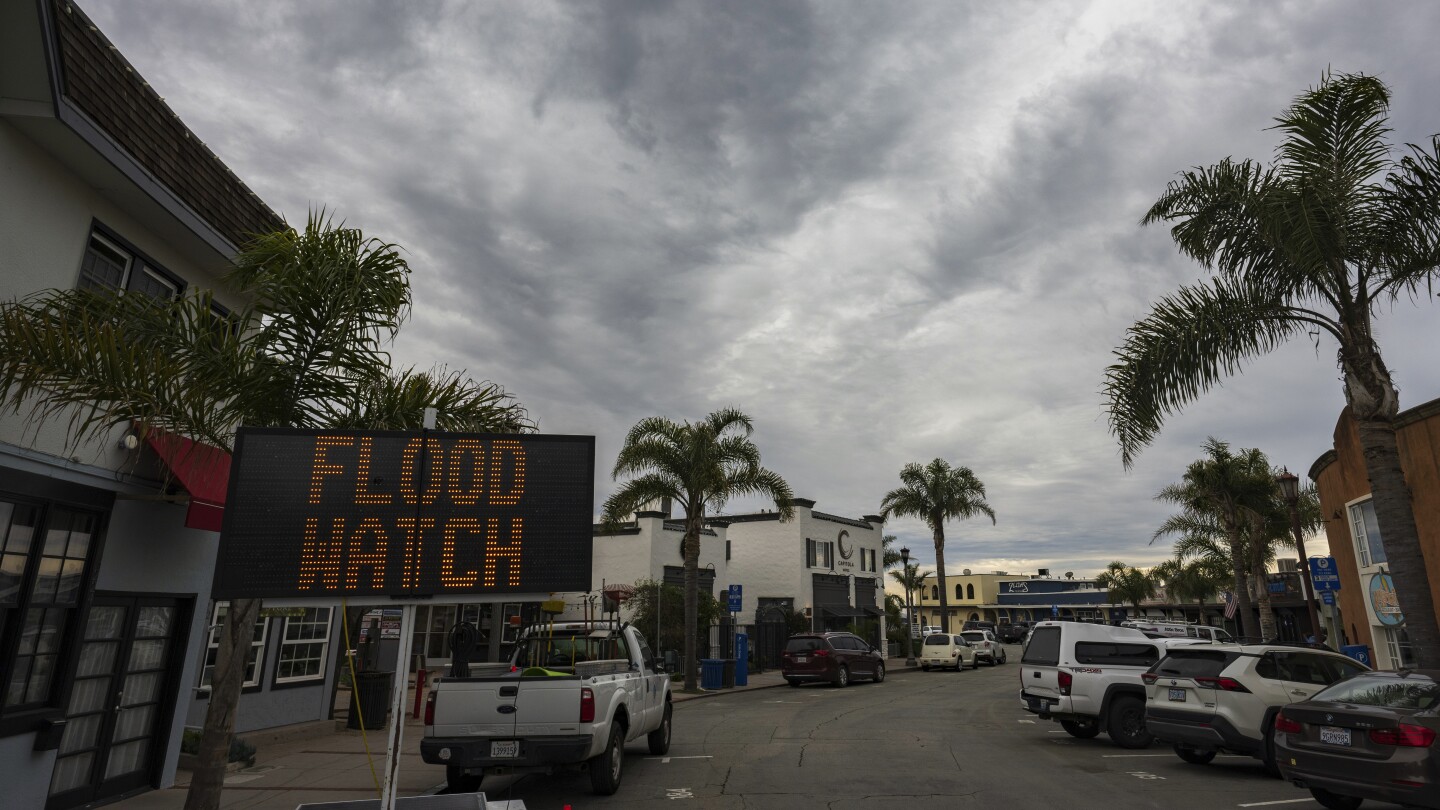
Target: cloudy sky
[(888, 232)]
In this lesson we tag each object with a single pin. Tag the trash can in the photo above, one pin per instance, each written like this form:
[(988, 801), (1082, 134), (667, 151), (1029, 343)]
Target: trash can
[(727, 678), (742, 659), (370, 696), (712, 673)]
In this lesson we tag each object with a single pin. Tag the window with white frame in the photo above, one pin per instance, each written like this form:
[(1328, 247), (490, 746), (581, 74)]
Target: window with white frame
[(303, 645), (253, 661), (1397, 643), (1366, 531), (108, 265)]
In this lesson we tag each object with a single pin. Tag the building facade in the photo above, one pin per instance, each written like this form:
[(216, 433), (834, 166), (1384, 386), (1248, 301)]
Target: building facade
[(1369, 609), (107, 548)]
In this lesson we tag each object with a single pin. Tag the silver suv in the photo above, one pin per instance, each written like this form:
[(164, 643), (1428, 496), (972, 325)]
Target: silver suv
[(1224, 697)]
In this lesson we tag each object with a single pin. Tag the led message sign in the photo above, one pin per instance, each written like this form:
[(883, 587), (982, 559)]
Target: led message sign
[(354, 513)]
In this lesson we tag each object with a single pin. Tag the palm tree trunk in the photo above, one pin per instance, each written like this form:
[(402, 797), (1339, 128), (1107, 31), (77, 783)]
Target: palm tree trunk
[(236, 636), (1268, 628), (692, 591), (1248, 626), (940, 575)]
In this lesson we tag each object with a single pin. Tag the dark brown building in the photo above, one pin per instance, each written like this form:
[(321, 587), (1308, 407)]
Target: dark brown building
[(1367, 596)]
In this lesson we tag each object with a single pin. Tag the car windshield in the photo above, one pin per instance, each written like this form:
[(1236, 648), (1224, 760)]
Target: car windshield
[(1393, 693), (937, 641), (796, 645), (973, 635)]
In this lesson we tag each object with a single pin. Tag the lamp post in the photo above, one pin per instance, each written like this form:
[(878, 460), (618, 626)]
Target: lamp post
[(1290, 489), (909, 610)]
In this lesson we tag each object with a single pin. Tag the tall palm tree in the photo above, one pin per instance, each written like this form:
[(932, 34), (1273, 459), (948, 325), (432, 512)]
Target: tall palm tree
[(889, 555), (1313, 244), (699, 467), (1126, 584), (307, 351), (936, 493), (1224, 493), (912, 581)]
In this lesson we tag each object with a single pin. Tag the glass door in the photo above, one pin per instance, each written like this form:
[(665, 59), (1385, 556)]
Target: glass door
[(124, 685)]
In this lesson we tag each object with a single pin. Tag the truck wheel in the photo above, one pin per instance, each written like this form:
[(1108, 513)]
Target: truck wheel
[(1126, 725), (457, 780), (659, 739), (1081, 729), (605, 769)]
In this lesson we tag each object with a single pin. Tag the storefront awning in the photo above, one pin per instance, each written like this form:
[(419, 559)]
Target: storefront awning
[(845, 612), (204, 472)]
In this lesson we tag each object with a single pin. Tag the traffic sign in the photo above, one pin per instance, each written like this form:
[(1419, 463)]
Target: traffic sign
[(1328, 597), (735, 599), (1323, 574), (1054, 610)]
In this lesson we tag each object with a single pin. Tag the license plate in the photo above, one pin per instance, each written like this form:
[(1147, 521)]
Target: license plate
[(1177, 694), (800, 659), (504, 749), (1334, 736)]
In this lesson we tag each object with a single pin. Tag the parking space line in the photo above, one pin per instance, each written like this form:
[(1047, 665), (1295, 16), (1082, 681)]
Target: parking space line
[(1132, 756), (1278, 801)]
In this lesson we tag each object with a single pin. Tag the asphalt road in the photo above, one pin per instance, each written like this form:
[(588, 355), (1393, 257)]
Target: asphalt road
[(920, 739)]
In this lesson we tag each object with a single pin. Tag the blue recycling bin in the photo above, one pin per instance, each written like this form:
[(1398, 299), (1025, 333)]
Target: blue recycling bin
[(742, 655), (712, 673), (1360, 653)]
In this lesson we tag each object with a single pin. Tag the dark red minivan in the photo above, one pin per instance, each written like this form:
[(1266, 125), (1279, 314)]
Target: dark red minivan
[(837, 658)]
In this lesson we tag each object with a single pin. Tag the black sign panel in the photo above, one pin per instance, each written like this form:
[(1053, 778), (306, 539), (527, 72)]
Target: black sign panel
[(354, 513)]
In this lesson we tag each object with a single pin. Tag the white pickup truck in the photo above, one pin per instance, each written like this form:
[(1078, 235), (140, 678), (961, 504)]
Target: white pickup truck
[(572, 694)]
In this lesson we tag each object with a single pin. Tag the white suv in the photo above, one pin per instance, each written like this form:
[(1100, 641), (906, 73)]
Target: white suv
[(987, 647), (1087, 677), (1224, 697)]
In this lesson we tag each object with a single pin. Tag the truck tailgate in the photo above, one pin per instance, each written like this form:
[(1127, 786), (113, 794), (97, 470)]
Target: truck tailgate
[(548, 706), (475, 708)]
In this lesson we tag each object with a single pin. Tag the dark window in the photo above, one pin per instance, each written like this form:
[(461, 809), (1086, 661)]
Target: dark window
[(1194, 663), (803, 644), (1044, 647), (959, 591), (727, 550), (934, 591), (109, 264), (43, 553), (1113, 654), (809, 553), (1267, 668), (969, 591), (938, 640), (1305, 668)]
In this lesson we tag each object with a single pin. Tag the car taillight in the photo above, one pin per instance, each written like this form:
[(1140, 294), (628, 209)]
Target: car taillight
[(1065, 679), (822, 653), (1149, 678), (1404, 735), (587, 706), (1285, 724), (430, 709), (1224, 684)]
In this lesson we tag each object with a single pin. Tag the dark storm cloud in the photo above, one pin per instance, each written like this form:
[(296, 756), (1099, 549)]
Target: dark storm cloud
[(888, 232)]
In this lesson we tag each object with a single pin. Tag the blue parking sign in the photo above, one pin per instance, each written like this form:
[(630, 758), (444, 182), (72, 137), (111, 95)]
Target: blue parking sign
[(1323, 574), (735, 599)]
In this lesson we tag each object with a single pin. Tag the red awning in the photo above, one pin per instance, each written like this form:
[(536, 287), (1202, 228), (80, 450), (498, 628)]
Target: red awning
[(203, 470)]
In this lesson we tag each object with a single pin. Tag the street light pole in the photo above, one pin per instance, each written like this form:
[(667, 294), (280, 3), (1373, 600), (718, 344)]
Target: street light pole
[(1290, 489), (909, 610)]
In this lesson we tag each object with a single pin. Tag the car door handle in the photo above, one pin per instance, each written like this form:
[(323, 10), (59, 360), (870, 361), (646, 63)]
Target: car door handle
[(1034, 674), (509, 691), (1300, 692)]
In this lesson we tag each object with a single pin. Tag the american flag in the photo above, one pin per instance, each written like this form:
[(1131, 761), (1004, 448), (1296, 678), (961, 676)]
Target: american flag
[(1230, 604)]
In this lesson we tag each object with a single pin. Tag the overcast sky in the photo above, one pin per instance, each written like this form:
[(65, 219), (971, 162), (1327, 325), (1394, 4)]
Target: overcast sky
[(888, 232)]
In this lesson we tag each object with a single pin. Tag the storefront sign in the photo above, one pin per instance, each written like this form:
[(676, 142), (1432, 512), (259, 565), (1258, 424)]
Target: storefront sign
[(1384, 601), (347, 513)]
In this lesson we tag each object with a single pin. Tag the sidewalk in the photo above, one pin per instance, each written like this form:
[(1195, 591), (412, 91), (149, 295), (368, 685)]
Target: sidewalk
[(325, 762)]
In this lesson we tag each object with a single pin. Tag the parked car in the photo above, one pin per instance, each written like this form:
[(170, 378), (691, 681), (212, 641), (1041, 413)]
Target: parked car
[(1087, 677), (837, 658), (1370, 737), (976, 624), (1224, 697), (1181, 630), (944, 650), (1012, 632), (928, 630), (987, 647)]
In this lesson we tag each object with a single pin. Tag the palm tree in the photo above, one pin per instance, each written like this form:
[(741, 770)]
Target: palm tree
[(700, 467), (936, 493), (889, 555), (308, 351), (1223, 494), (1126, 584), (1314, 244), (912, 581)]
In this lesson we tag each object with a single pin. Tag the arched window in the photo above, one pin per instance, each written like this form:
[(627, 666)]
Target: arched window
[(934, 591), (958, 591), (969, 591)]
